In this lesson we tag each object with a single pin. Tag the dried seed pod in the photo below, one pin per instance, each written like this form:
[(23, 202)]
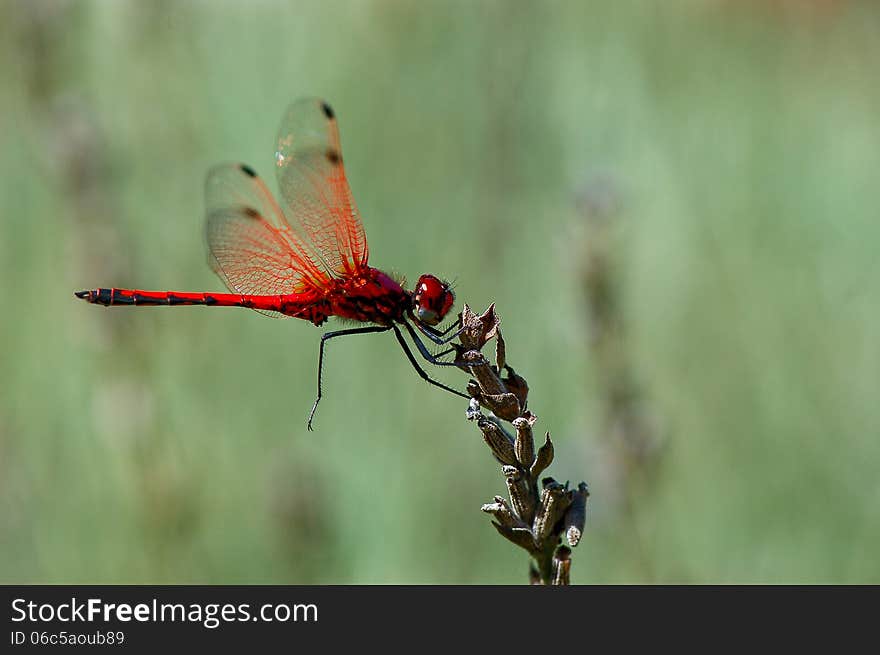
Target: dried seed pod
[(499, 442), (504, 405), (488, 387), (562, 566), (525, 442), (522, 537), (543, 459), (490, 383), (520, 490), (576, 515), (503, 514), (554, 502), (516, 385)]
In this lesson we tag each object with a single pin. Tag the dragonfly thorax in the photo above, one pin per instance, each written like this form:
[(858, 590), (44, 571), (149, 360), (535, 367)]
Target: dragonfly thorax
[(369, 297)]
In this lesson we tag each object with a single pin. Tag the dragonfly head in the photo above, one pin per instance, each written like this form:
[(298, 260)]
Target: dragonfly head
[(432, 299)]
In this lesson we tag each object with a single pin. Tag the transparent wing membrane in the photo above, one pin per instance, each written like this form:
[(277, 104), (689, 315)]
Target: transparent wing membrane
[(317, 199), (259, 247), (250, 245)]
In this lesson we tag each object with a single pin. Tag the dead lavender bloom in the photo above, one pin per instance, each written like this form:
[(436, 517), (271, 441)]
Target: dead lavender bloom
[(539, 510)]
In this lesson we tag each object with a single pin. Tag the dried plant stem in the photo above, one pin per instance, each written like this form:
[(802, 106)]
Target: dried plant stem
[(540, 509)]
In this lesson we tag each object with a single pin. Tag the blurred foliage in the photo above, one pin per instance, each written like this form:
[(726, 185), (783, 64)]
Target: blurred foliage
[(740, 142)]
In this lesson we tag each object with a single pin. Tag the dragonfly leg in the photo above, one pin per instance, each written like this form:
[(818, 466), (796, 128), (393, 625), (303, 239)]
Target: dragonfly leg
[(451, 327), (445, 352), (324, 339), (415, 363), (436, 336), (436, 332), (423, 349)]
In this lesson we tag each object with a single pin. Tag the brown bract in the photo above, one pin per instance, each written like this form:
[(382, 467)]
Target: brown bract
[(478, 330)]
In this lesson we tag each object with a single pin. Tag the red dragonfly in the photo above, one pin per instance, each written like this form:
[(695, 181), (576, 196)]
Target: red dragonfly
[(305, 257)]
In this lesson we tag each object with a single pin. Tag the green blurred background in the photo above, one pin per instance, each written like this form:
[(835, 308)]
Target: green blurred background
[(675, 208)]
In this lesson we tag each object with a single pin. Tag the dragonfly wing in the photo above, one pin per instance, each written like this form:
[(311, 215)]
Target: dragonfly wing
[(317, 199), (250, 245)]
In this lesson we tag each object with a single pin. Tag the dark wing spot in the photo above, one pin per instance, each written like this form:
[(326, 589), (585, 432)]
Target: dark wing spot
[(250, 212), (328, 111), (247, 170), (333, 156)]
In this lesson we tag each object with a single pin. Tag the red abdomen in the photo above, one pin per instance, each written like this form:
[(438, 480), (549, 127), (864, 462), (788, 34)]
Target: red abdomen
[(310, 306)]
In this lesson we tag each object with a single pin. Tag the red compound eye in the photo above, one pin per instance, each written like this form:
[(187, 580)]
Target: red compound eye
[(432, 299)]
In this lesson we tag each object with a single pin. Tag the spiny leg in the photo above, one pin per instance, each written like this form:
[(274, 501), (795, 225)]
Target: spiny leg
[(436, 336), (332, 335), (446, 352), (419, 369), (435, 331), (451, 327), (423, 349)]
